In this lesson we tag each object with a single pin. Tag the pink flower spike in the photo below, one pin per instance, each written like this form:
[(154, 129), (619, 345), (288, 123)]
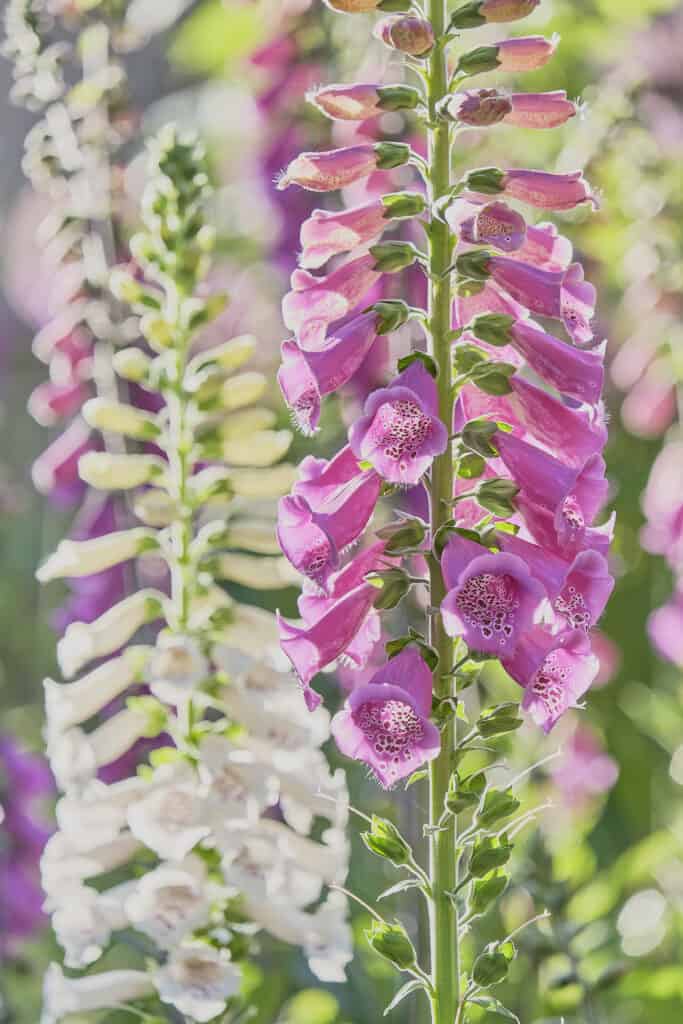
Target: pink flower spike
[(325, 172), (497, 225), (326, 233), (315, 302), (574, 373), (400, 431), (555, 673), (492, 599), (299, 388), (540, 291), (540, 110), (344, 496), (385, 723), (573, 434), (356, 102), (548, 191), (526, 53), (334, 362)]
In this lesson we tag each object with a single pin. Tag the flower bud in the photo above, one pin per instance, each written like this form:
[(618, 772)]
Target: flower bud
[(245, 422), (393, 585), (473, 265), (263, 483), (261, 449), (403, 204), (464, 794), (407, 33), (489, 181), (483, 12), (493, 328), (84, 558), (242, 390), (385, 840), (362, 101), (229, 356), (405, 535), (486, 891), (393, 943), (391, 314), (258, 573), (366, 6), (478, 61), (478, 108), (391, 154), (489, 968), (496, 805), (131, 364), (525, 53), (489, 854), (497, 496), (85, 641), (117, 418), (393, 256), (107, 472), (154, 507)]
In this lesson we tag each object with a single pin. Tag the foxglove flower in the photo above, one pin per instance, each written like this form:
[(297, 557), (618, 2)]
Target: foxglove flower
[(386, 723)]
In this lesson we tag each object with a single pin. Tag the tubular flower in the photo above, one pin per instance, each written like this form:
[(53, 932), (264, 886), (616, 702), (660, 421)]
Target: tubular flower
[(207, 793)]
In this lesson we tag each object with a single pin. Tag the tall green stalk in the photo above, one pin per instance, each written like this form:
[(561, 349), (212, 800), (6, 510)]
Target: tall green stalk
[(442, 835)]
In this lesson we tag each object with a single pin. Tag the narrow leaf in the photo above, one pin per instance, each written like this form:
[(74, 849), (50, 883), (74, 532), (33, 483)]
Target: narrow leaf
[(406, 990)]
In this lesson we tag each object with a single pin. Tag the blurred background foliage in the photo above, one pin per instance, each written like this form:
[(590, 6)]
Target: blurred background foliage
[(608, 865)]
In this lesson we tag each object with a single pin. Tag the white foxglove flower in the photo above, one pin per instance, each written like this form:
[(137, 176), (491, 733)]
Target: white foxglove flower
[(242, 390), (229, 355), (117, 418), (83, 920), (69, 704), (279, 727), (64, 863), (64, 996), (236, 789), (259, 573), (84, 641), (306, 795), (171, 819), (110, 472), (176, 668), (261, 871), (198, 980), (258, 675), (75, 558), (248, 622), (328, 861), (246, 422), (98, 814), (75, 756), (170, 902)]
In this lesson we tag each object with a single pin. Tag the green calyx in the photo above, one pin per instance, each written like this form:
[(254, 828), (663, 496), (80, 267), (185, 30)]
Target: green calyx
[(489, 181), (393, 943), (385, 840), (468, 16), (391, 257), (400, 205), (391, 314), (473, 265), (391, 154), (479, 60), (398, 97)]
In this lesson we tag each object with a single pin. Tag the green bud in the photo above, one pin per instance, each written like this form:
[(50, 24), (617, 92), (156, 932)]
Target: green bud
[(489, 968), (473, 265), (405, 535), (489, 181), (393, 943), (489, 855), (479, 60), (419, 357), (391, 154), (399, 205), (497, 805), (154, 712), (463, 794), (393, 585), (385, 840), (391, 314), (494, 379), (393, 256), (466, 357), (477, 434), (468, 16), (470, 466), (497, 496), (486, 891), (398, 97), (493, 328), (131, 364), (499, 720)]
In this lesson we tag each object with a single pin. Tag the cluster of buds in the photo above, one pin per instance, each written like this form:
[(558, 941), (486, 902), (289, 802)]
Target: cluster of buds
[(495, 436), (227, 803)]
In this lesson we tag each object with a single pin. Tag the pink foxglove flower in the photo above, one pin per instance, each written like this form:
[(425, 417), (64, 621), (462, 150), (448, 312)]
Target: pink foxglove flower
[(574, 373), (330, 233), (540, 110), (555, 672), (542, 189), (339, 168), (385, 723), (316, 302), (407, 33), (479, 108), (492, 599), (497, 225), (526, 53), (400, 431)]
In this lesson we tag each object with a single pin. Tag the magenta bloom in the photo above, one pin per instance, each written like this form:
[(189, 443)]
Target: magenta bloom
[(356, 102), (400, 431), (497, 225), (492, 600), (540, 110), (548, 191), (315, 302), (385, 723), (335, 625), (578, 306), (494, 11), (537, 290), (555, 672), (575, 374), (325, 172), (306, 539), (545, 247), (299, 388), (526, 53), (331, 233), (586, 591)]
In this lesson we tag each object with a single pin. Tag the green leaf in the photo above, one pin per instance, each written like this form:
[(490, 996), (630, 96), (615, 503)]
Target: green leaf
[(494, 1006), (406, 990), (419, 357), (402, 886), (418, 776)]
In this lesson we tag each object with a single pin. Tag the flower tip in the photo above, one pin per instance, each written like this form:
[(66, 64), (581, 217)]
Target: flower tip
[(282, 180)]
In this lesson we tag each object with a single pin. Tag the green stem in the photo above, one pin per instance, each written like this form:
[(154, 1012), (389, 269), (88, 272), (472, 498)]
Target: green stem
[(442, 841)]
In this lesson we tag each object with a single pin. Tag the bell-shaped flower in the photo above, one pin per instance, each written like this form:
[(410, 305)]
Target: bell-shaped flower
[(540, 110), (198, 980), (334, 624), (69, 704), (299, 388), (543, 189), (329, 233), (586, 591), (97, 815), (495, 224), (539, 291), (84, 558), (83, 920), (385, 724), (574, 373), (492, 599), (479, 108), (65, 863), (555, 672), (524, 53), (325, 172), (169, 902), (85, 641), (171, 819), (76, 756), (236, 790), (578, 306), (106, 990), (176, 668), (545, 247), (315, 302), (400, 431)]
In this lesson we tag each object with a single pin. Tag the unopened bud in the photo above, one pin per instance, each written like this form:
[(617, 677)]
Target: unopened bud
[(497, 805), (131, 364), (391, 154), (488, 855), (493, 328), (478, 108), (83, 558), (405, 535), (473, 265), (391, 314), (392, 584), (154, 507), (490, 968), (242, 390), (407, 33), (110, 472), (385, 840), (398, 97), (486, 891), (403, 204), (393, 256), (393, 943), (230, 355), (117, 418), (366, 6), (489, 181)]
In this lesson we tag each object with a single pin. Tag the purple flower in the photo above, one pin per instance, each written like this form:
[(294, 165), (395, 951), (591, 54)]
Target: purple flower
[(547, 191), (331, 233), (545, 247), (526, 53), (385, 723), (492, 599), (305, 540), (540, 110), (577, 304), (325, 172), (357, 102), (537, 290), (555, 672), (299, 388), (406, 33), (495, 224), (315, 302), (576, 374), (400, 431)]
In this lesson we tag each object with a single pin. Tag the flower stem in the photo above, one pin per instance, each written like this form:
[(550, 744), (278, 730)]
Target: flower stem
[(442, 841)]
